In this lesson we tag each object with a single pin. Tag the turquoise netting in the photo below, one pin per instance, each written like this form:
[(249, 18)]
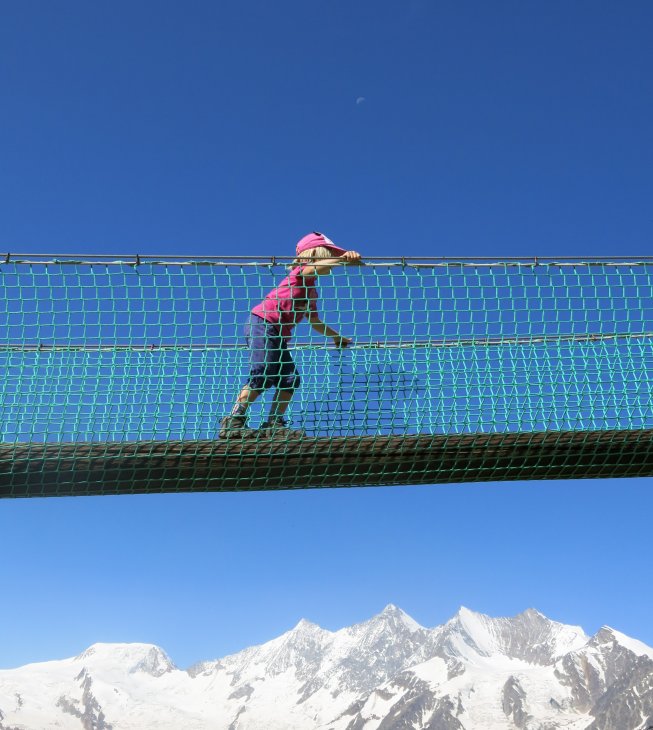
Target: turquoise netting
[(150, 354)]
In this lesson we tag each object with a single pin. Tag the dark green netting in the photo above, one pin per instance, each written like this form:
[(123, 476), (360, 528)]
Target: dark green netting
[(117, 374)]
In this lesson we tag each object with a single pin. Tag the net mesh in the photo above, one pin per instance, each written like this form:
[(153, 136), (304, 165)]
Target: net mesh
[(118, 373)]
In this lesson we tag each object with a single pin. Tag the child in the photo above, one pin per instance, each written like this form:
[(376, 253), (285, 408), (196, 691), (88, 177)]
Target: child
[(270, 328)]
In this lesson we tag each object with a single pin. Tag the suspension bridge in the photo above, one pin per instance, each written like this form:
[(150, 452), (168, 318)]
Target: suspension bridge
[(118, 370)]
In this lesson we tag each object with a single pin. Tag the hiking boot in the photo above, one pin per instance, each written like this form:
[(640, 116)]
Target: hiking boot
[(278, 427), (235, 427)]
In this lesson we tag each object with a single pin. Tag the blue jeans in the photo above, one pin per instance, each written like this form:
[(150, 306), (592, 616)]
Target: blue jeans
[(271, 364)]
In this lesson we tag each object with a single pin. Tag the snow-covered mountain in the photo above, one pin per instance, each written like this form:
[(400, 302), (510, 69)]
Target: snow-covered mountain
[(389, 673)]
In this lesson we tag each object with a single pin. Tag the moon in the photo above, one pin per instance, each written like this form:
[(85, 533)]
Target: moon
[(360, 100)]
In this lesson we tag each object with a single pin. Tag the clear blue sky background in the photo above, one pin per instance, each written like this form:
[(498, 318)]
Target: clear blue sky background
[(407, 127)]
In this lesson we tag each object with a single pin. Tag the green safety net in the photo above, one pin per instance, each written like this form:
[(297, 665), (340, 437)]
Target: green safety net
[(118, 371)]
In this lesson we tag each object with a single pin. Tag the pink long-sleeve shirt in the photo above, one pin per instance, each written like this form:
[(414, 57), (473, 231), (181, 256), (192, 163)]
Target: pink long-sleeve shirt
[(288, 304)]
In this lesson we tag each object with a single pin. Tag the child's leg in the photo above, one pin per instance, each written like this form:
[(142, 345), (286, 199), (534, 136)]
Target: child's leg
[(287, 383), (280, 402), (256, 336), (245, 399), (262, 364)]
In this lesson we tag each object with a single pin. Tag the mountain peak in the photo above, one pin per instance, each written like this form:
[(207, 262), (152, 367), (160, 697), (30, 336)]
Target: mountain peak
[(392, 609), (533, 613), (396, 617), (529, 636), (467, 633), (608, 635), (464, 613), (530, 614), (306, 625), (305, 630), (135, 657)]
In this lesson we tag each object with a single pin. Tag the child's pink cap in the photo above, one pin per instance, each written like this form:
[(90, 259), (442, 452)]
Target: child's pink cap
[(315, 239)]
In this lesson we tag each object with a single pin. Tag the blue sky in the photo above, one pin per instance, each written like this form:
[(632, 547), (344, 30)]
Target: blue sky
[(407, 128)]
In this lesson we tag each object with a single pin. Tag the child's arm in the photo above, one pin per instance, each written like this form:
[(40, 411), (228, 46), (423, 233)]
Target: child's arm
[(324, 329), (325, 265)]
